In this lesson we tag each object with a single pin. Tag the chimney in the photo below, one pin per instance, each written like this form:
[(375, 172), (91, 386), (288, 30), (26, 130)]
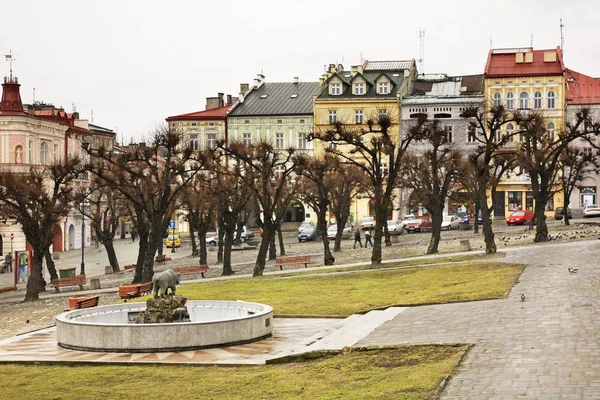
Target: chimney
[(244, 87), (75, 115), (241, 97), (296, 80), (228, 99), (212, 102), (356, 69), (331, 68), (259, 80)]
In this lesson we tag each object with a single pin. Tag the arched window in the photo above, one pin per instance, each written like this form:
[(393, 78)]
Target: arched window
[(510, 100), (510, 129), (497, 99), (537, 100), (43, 152), (524, 101), (550, 129), (551, 97)]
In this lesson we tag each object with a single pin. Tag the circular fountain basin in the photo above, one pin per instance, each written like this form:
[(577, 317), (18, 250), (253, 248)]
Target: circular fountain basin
[(213, 324)]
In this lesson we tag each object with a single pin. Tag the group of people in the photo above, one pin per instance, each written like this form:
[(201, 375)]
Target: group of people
[(367, 238)]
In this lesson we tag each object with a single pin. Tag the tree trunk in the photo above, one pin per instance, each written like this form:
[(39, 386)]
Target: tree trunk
[(281, 244), (203, 253), (112, 256), (227, 270), (36, 282), (436, 229), (488, 233), (50, 264), (380, 220), (272, 246), (193, 239), (144, 237), (386, 232), (328, 258), (476, 222), (341, 224), (265, 244), (565, 210), (541, 229), (220, 242)]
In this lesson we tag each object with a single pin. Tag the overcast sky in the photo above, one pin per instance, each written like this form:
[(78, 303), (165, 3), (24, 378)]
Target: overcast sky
[(136, 62)]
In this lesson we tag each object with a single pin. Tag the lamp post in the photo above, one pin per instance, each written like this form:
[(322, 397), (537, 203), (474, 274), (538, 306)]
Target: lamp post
[(82, 272), (12, 237), (173, 240)]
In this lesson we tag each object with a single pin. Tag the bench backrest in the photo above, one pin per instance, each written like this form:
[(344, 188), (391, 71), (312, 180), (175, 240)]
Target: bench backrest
[(292, 260), (90, 302)]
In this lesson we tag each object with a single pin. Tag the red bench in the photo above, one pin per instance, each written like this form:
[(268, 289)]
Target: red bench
[(195, 269), (78, 280), (77, 303), (129, 266), (162, 259), (281, 261), (127, 292)]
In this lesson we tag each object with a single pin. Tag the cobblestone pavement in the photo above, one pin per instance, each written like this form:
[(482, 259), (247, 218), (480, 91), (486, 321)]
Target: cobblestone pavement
[(546, 347)]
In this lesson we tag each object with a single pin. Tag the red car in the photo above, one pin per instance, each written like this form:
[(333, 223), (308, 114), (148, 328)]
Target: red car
[(416, 225), (520, 217)]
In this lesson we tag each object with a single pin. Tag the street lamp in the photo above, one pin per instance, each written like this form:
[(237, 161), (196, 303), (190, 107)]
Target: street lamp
[(173, 240), (82, 271), (12, 237)]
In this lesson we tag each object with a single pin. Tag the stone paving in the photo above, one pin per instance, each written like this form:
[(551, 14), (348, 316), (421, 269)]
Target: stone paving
[(546, 347)]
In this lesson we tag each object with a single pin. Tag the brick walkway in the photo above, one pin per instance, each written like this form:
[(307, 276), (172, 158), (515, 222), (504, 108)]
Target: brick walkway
[(547, 347)]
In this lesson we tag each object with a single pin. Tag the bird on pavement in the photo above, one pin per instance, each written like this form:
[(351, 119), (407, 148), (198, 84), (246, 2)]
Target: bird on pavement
[(573, 270), (522, 296)]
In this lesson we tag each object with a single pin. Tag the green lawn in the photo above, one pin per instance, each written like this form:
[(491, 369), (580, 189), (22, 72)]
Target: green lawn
[(348, 293), (412, 372)]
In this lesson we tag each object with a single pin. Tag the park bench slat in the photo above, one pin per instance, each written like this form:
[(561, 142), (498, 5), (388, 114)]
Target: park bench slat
[(194, 269), (78, 280), (292, 260)]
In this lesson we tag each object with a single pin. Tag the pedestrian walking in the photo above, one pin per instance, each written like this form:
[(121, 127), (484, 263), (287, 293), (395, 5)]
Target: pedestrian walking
[(368, 238), (357, 238), (133, 234), (8, 262)]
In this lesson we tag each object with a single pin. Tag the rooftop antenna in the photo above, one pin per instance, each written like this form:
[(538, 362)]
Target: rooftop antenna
[(92, 116), (562, 38), (422, 45), (10, 57), (74, 107), (33, 95), (361, 58)]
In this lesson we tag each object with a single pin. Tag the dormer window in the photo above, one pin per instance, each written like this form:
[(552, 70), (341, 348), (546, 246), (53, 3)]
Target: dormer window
[(384, 88), (359, 88), (335, 89)]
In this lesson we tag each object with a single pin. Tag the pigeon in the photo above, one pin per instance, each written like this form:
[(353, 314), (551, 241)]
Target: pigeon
[(573, 270), (522, 296)]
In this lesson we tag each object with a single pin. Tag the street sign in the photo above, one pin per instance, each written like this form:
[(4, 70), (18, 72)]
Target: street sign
[(172, 225)]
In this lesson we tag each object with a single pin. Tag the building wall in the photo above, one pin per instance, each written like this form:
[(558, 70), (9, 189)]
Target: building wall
[(27, 134), (201, 128)]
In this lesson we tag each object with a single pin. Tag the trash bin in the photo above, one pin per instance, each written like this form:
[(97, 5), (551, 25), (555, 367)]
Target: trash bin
[(66, 272)]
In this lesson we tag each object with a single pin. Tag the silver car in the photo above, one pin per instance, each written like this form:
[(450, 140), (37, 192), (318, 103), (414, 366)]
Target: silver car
[(591, 211), (395, 227), (367, 223), (332, 231), (451, 222), (305, 224)]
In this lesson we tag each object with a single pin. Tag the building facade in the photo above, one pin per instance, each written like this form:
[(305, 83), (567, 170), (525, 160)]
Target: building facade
[(527, 80)]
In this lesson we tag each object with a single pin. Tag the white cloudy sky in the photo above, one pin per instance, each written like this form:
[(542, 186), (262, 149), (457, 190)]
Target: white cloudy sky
[(136, 62)]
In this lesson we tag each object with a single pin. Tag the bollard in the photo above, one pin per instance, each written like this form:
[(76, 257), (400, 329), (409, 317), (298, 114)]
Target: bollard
[(95, 283), (465, 245), (108, 269)]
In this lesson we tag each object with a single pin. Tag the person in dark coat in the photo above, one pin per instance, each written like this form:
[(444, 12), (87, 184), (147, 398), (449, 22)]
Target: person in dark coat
[(357, 238)]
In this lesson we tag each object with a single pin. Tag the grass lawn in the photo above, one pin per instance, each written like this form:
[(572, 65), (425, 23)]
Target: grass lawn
[(348, 293), (412, 372)]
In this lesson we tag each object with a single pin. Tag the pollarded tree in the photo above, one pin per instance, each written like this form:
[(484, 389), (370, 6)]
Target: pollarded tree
[(574, 162), (268, 172), (431, 173), (377, 152), (540, 152), (38, 199), (151, 178)]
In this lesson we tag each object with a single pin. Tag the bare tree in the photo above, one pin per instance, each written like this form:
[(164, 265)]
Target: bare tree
[(37, 200), (574, 162)]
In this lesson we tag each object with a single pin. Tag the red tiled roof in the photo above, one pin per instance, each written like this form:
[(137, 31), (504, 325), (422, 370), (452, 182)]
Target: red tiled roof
[(52, 113), (582, 89), (213, 113), (503, 64)]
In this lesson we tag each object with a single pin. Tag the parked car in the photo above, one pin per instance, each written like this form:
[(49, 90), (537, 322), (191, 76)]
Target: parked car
[(395, 227), (464, 217), (308, 233), (406, 219), (246, 234), (451, 222), (558, 213), (332, 231), (480, 218), (212, 240), (306, 223), (172, 241), (520, 217), (417, 225), (591, 211), (367, 223)]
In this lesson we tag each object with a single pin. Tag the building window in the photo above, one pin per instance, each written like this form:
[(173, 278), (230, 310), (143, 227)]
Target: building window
[(332, 145), (211, 141), (497, 99), (30, 161), (194, 142), (301, 121), (471, 134), (302, 140), (359, 88), (550, 129), (55, 152), (448, 129), (211, 124), (510, 100), (334, 89), (194, 124), (384, 169), (515, 199), (551, 97), (332, 116), (510, 129), (524, 101), (43, 152), (279, 171), (382, 113), (279, 140), (246, 121), (358, 116), (384, 88), (537, 100), (247, 139)]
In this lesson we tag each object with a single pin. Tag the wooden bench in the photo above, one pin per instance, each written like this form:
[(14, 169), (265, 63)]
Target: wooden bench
[(77, 303), (162, 259), (281, 261), (127, 292), (78, 280), (194, 269), (129, 266)]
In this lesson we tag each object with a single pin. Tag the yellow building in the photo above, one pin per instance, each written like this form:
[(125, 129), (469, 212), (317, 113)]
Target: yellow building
[(362, 93), (525, 79)]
